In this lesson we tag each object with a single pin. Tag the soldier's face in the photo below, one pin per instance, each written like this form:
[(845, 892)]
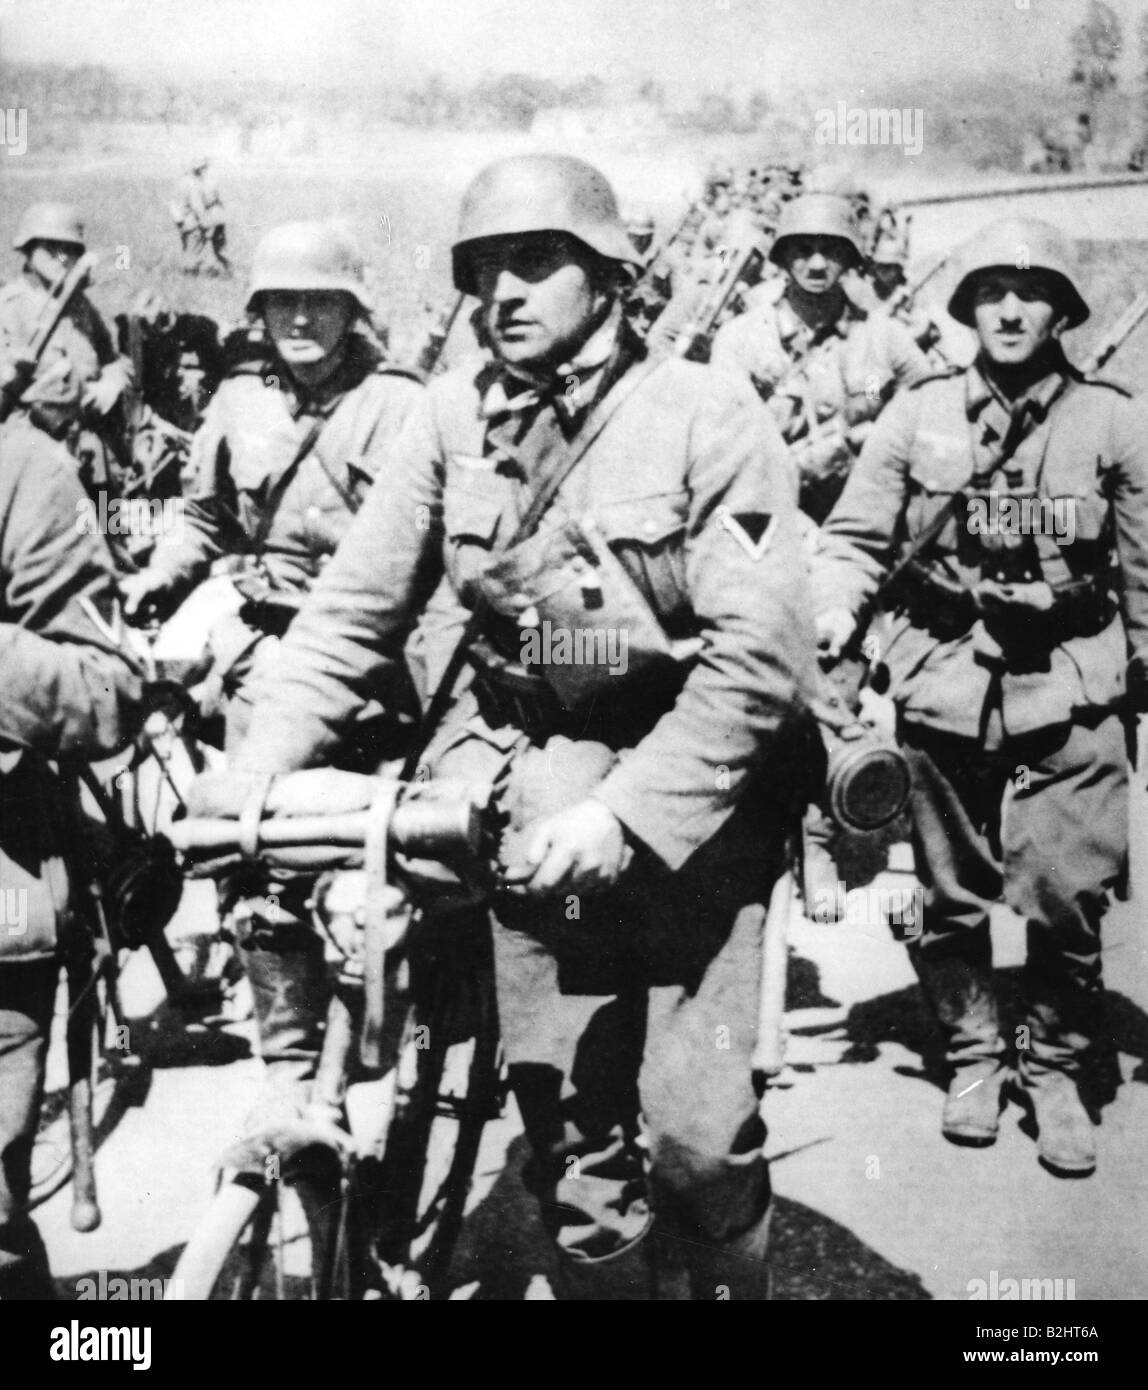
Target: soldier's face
[(816, 263), (540, 298), (49, 260), (1015, 314), (307, 326)]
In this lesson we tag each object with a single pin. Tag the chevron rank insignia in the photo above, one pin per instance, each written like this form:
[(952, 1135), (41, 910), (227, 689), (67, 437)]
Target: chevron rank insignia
[(751, 530)]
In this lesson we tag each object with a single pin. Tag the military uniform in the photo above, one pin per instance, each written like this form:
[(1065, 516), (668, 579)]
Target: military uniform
[(69, 691), (197, 211), (246, 498), (608, 1006), (848, 372), (80, 351), (1011, 713)]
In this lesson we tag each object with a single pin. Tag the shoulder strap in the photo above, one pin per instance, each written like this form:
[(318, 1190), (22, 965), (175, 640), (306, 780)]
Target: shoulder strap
[(600, 416), (283, 482)]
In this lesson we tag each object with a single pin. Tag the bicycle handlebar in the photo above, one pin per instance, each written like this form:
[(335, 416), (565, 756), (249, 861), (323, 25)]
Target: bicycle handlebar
[(424, 829)]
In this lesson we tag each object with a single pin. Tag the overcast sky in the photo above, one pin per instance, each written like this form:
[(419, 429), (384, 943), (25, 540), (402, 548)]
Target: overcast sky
[(859, 47)]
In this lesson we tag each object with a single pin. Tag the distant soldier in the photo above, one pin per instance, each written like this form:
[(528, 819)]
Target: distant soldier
[(80, 381), (653, 287), (826, 365), (197, 211), (1018, 646), (887, 265)]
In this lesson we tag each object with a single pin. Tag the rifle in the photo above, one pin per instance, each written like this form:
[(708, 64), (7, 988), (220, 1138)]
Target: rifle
[(63, 292), (742, 259), (430, 357)]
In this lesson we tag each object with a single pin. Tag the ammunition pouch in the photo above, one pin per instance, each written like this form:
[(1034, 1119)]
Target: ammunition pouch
[(510, 694), (947, 609)]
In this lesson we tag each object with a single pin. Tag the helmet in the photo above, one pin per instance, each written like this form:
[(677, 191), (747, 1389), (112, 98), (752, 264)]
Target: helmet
[(308, 256), (50, 222), (832, 178), (816, 214), (1018, 243), (891, 245), (539, 193)]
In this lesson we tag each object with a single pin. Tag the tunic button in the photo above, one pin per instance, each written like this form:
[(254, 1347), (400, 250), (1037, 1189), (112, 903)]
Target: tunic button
[(313, 513), (649, 527)]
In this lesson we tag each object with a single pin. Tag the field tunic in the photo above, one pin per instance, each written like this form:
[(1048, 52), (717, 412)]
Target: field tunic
[(80, 350), (1086, 452), (250, 434), (609, 1010)]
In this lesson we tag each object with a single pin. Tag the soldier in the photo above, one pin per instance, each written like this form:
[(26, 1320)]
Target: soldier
[(80, 380), (887, 268), (68, 692), (638, 846), (826, 365), (653, 287), (288, 449), (1007, 656), (197, 211)]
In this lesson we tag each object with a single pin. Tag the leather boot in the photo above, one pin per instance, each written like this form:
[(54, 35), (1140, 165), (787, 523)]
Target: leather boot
[(960, 992), (1066, 1140), (289, 990), (973, 1106)]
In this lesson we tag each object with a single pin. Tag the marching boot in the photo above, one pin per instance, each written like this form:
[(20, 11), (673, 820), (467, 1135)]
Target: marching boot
[(289, 990), (974, 1103), (1063, 1020), (1066, 1139), (961, 995)]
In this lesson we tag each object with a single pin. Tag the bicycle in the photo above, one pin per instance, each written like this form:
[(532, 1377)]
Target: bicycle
[(298, 1212)]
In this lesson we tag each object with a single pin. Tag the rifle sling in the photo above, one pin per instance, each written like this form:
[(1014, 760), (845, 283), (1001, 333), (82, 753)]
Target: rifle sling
[(565, 462), (283, 482)]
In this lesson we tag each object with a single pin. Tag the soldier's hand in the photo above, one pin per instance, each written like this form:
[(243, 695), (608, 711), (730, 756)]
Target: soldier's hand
[(835, 626), (143, 591), (582, 850)]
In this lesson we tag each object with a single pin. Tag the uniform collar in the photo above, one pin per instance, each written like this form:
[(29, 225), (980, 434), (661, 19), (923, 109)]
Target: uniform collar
[(793, 328), (1035, 402), (359, 362), (514, 390)]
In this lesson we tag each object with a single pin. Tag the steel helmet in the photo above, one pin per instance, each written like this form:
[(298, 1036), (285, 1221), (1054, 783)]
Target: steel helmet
[(891, 246), (1018, 243), (308, 256), (816, 214), (539, 193), (50, 222)]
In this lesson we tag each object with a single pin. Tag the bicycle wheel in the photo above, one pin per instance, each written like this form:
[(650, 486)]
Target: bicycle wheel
[(276, 1242), (448, 1085)]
